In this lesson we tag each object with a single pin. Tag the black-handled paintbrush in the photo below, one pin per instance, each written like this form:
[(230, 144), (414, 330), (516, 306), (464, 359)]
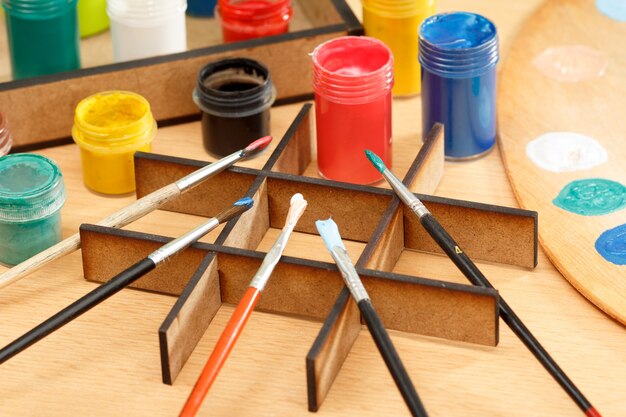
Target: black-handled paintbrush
[(121, 280), (476, 277), (330, 233)]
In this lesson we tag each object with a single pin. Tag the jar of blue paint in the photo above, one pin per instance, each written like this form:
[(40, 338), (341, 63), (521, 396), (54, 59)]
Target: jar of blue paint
[(31, 196), (458, 53)]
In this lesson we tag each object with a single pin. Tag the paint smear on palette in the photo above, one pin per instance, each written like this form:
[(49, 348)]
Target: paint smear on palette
[(571, 64), (566, 151), (612, 245), (615, 9), (592, 197)]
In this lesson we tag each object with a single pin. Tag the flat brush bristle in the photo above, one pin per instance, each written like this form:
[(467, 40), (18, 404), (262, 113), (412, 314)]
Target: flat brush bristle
[(258, 145), (238, 208), (375, 160)]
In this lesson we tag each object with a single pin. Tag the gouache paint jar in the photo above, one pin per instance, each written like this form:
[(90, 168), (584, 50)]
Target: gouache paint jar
[(249, 19), (92, 17), (396, 23), (43, 36), (459, 52), (6, 140), (352, 82), (201, 8), (234, 96), (109, 127), (147, 28), (31, 196)]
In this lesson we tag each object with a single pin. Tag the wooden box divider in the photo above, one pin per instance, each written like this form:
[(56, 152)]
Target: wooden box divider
[(207, 275), (167, 81)]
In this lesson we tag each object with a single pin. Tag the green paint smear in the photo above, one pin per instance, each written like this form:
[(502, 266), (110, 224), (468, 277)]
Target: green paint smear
[(592, 197)]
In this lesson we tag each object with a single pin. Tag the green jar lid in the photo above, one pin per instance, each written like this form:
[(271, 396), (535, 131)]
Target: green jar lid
[(31, 187)]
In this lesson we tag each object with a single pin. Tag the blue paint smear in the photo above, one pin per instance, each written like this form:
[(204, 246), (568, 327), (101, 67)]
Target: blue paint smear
[(457, 30), (615, 9), (612, 245)]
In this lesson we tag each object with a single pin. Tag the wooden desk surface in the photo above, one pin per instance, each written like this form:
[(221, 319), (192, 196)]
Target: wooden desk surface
[(106, 363)]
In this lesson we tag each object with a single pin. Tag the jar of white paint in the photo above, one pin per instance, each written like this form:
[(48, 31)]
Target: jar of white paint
[(146, 28)]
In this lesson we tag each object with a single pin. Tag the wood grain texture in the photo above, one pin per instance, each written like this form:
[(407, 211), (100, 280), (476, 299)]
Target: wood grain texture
[(107, 362), (593, 108)]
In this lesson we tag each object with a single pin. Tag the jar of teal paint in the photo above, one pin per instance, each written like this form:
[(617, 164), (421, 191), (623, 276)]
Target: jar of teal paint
[(31, 196), (43, 36)]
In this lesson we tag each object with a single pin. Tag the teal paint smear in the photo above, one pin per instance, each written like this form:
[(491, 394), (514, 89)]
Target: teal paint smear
[(615, 9), (592, 197), (611, 245)]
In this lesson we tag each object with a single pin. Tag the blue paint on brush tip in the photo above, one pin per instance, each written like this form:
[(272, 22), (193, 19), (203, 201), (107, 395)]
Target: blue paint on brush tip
[(375, 160), (246, 201), (330, 233)]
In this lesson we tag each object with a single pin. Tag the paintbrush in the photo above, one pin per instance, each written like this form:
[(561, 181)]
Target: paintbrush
[(133, 211), (330, 233), (476, 277), (121, 280), (242, 312)]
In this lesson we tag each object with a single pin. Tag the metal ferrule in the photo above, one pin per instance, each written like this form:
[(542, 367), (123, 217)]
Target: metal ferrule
[(271, 259), (182, 242), (405, 194), (349, 274), (195, 177)]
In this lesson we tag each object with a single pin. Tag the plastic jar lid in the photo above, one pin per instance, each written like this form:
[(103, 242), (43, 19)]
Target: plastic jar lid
[(31, 187), (113, 121), (352, 69), (398, 8), (458, 44), (255, 10), (235, 87), (145, 13), (38, 9)]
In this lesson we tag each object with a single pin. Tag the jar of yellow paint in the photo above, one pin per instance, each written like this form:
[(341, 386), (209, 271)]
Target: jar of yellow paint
[(396, 23), (109, 127)]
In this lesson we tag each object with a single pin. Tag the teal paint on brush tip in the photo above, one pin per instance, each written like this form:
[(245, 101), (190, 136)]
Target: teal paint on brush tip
[(611, 245), (375, 160), (329, 232), (592, 197), (246, 201)]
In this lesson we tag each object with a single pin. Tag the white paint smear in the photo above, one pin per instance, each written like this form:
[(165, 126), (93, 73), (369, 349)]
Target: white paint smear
[(566, 151)]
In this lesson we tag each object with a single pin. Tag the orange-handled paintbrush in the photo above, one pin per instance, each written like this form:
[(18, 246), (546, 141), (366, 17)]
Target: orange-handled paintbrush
[(242, 312)]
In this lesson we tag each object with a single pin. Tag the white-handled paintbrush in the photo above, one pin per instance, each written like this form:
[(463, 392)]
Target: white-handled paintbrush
[(133, 211)]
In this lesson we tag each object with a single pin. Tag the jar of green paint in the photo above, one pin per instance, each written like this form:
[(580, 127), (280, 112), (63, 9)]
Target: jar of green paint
[(43, 36), (31, 196)]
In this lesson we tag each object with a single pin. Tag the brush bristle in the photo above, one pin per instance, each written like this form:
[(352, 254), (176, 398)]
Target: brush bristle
[(329, 231), (297, 205), (246, 201), (239, 207), (258, 144), (375, 160)]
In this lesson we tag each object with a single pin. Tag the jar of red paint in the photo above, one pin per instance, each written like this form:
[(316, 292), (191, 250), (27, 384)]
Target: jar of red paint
[(352, 82), (249, 19)]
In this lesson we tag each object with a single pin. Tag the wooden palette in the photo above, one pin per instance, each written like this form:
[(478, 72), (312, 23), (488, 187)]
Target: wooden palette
[(531, 104)]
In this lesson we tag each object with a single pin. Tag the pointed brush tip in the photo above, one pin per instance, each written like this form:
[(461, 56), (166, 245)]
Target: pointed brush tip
[(258, 144), (375, 160)]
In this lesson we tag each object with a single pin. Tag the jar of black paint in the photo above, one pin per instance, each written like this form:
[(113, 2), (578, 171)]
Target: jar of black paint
[(234, 96)]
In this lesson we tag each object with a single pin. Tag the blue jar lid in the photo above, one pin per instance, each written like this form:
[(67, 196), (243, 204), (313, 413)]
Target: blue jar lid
[(458, 44), (31, 187)]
